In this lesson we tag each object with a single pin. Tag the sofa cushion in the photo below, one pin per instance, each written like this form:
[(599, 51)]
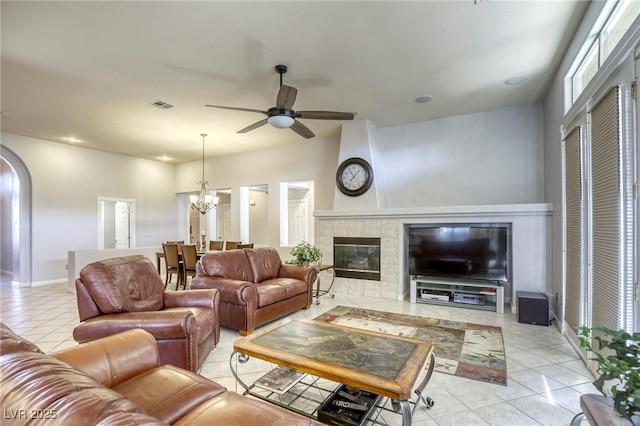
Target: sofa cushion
[(232, 409), (168, 392), (41, 384), (278, 289), (127, 419), (124, 284), (11, 342), (232, 264), (265, 263)]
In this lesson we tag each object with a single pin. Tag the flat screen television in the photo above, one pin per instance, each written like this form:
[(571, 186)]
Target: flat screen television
[(459, 251)]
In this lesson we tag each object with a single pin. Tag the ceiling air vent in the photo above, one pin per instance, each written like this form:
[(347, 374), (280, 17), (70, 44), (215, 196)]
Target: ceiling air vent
[(161, 105)]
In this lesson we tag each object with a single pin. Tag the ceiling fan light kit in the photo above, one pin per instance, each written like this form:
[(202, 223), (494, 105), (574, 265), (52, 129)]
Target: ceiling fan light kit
[(282, 116), (281, 121)]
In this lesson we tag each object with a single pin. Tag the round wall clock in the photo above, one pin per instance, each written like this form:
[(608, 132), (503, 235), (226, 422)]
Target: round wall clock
[(354, 176)]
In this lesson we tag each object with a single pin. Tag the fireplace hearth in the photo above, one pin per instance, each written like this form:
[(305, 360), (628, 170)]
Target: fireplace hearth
[(355, 257)]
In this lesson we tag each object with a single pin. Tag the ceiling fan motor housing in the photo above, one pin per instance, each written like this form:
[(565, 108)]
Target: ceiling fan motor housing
[(275, 111)]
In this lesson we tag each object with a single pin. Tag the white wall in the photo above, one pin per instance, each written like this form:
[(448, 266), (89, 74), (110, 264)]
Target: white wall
[(66, 183), (314, 159), (492, 157), (486, 158)]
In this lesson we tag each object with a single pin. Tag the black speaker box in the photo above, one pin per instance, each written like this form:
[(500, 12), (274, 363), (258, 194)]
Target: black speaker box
[(533, 308)]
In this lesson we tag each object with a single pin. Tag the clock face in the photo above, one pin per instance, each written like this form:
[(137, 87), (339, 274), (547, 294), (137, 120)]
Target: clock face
[(354, 176)]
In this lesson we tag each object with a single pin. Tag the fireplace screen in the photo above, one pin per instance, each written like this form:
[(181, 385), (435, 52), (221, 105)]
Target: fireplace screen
[(357, 258)]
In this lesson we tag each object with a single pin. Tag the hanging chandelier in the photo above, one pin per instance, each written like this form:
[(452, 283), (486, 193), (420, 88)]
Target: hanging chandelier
[(203, 202)]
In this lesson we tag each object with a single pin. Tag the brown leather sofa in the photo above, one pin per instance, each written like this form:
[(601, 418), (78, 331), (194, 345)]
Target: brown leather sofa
[(127, 292), (255, 286), (118, 381)]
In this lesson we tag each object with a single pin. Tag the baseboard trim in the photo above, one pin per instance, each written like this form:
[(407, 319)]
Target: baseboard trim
[(48, 282)]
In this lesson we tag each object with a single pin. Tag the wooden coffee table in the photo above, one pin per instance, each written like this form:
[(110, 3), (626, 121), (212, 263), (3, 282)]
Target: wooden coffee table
[(379, 363)]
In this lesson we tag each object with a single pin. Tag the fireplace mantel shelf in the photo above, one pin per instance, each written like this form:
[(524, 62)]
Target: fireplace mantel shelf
[(537, 209)]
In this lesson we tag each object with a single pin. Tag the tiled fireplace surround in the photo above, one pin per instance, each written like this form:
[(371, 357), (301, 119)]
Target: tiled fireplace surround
[(530, 243)]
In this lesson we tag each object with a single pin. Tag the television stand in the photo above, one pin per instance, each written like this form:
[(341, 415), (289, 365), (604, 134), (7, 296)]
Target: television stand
[(485, 295)]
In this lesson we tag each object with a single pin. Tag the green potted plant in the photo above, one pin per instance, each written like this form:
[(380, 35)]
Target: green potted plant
[(305, 253), (618, 358)]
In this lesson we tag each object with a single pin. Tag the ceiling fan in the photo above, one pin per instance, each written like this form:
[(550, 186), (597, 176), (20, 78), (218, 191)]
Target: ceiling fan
[(283, 117)]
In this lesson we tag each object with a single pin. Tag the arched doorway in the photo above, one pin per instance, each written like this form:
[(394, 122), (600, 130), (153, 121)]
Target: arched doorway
[(17, 194)]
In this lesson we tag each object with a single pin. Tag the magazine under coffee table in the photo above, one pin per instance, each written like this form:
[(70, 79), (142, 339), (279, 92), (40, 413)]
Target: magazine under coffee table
[(379, 363)]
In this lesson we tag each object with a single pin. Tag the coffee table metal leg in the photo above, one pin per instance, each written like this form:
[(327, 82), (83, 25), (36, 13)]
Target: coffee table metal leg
[(421, 398), (407, 415), (242, 358), (318, 290)]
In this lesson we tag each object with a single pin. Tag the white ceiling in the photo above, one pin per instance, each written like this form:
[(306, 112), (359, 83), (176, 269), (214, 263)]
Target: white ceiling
[(90, 70)]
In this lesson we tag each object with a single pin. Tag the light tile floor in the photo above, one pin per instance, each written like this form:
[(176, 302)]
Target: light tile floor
[(545, 376)]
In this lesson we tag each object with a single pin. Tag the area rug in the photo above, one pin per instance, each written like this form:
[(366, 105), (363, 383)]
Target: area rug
[(473, 351)]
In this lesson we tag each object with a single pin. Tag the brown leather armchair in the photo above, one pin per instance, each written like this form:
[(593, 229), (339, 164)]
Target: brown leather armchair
[(127, 292)]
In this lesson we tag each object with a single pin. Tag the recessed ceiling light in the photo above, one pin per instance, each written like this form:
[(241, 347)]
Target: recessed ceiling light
[(424, 99), (165, 158), (516, 80), (72, 139)]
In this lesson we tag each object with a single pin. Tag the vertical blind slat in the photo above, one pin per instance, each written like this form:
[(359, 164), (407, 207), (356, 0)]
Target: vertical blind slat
[(606, 211), (574, 228)]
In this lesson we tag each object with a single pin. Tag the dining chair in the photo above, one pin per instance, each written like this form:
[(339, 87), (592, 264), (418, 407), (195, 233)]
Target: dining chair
[(216, 245), (189, 259), (231, 245), (243, 246), (172, 263), (175, 242)]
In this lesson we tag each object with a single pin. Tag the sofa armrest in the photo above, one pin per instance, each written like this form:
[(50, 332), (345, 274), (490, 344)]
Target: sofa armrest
[(209, 298), (114, 359), (163, 325), (237, 292), (307, 274)]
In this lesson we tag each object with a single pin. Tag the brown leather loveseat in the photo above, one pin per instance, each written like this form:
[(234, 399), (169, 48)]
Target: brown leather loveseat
[(255, 286), (118, 381), (127, 292)]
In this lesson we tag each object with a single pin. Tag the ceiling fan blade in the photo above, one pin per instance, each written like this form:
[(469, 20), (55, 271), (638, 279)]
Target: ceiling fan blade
[(286, 97), (238, 109), (253, 126), (302, 130), (325, 115)]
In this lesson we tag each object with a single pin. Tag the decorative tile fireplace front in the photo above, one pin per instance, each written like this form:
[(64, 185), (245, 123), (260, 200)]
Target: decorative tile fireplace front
[(357, 258)]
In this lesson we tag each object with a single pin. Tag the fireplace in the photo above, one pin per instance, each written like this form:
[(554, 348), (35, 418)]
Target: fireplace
[(355, 257)]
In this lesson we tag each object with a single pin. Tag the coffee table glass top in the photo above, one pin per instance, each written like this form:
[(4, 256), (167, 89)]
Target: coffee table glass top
[(370, 354)]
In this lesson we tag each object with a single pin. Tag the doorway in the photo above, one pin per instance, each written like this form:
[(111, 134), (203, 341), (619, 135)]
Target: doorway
[(223, 215), (117, 223), (16, 218), (296, 212)]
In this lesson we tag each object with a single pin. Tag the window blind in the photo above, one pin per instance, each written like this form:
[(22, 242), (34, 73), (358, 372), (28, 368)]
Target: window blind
[(574, 211), (606, 199)]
